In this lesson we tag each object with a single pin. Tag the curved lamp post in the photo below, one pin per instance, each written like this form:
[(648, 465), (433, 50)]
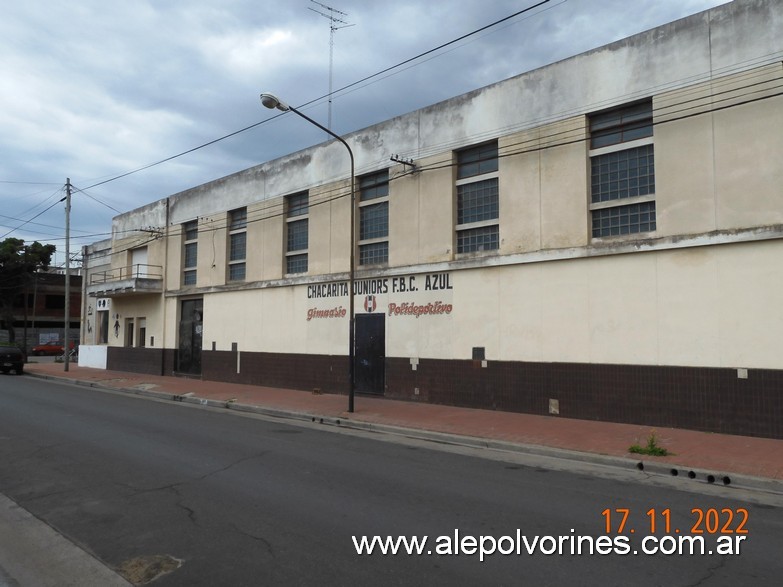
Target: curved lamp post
[(271, 101)]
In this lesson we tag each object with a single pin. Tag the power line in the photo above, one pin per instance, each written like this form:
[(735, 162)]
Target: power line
[(29, 182), (26, 222), (252, 126), (319, 99), (94, 199), (275, 208)]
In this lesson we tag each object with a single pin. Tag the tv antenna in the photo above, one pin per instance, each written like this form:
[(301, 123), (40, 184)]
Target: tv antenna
[(335, 24)]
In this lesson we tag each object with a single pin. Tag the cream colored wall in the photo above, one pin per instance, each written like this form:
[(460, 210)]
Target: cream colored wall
[(519, 199), (685, 177), (329, 225), (269, 236), (170, 322), (273, 320), (141, 306), (748, 143), (404, 220), (433, 234), (704, 306), (715, 170), (176, 257), (709, 306), (564, 188)]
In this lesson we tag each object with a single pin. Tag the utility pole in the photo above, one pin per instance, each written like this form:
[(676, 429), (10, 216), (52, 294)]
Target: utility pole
[(66, 345), (333, 26)]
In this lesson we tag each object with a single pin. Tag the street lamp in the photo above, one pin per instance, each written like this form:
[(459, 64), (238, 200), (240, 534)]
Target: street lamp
[(271, 101)]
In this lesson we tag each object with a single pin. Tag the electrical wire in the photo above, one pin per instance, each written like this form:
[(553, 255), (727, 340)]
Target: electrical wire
[(94, 199), (319, 99), (276, 207), (26, 222), (345, 88)]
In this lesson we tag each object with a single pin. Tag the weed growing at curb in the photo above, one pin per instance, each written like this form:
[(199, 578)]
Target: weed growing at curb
[(652, 448)]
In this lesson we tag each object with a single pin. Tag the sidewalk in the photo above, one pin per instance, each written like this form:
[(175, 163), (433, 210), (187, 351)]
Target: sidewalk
[(704, 453)]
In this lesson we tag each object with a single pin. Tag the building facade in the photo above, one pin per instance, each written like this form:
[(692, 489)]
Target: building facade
[(39, 312), (600, 238)]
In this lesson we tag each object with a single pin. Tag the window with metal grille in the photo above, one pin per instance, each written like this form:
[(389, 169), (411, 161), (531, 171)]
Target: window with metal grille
[(478, 208), (373, 254), (621, 125), (477, 160), (477, 201), (189, 252), (623, 174), (297, 236), (296, 264), (237, 244), (374, 218), (297, 232), (620, 220), (478, 239), (622, 171), (298, 205)]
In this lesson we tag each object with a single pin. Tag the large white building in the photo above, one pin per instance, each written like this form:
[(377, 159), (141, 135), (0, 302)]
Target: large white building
[(599, 238)]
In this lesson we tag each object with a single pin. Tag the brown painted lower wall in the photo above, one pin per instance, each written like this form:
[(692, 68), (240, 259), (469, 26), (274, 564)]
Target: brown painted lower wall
[(136, 360), (696, 398), (326, 372)]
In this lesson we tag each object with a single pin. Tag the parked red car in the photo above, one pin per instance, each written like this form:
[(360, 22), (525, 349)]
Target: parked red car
[(50, 348)]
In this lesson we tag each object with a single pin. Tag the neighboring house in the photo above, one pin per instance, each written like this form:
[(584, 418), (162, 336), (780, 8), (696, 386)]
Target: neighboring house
[(600, 238), (95, 332), (39, 313)]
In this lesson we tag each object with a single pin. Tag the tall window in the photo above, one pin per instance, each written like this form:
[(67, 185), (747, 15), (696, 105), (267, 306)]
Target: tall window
[(103, 327), (622, 171), (477, 199), (142, 332), (374, 218), (237, 244), (297, 238), (129, 332), (189, 252)]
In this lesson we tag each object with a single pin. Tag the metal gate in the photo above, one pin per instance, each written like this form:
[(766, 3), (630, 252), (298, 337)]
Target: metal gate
[(370, 353), (191, 326)]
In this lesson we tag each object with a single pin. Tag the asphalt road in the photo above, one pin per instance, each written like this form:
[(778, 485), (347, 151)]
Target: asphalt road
[(242, 500)]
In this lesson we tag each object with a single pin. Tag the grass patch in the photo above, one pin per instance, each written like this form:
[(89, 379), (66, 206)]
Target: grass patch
[(652, 448)]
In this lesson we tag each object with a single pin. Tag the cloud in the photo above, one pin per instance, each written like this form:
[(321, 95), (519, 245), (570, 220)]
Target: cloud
[(92, 90)]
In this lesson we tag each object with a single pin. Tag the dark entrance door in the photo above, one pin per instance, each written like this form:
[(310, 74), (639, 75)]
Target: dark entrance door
[(370, 353), (191, 324)]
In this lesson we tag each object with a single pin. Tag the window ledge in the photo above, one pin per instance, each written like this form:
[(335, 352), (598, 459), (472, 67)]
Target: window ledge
[(622, 202), (480, 224), (620, 147)]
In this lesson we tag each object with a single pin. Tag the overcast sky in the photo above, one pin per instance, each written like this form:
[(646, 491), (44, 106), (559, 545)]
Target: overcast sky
[(91, 89)]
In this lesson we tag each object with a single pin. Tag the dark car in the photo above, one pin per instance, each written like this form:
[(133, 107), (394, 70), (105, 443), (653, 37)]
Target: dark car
[(11, 357)]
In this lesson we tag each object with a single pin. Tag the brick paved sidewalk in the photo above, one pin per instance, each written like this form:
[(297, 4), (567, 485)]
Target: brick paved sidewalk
[(717, 453)]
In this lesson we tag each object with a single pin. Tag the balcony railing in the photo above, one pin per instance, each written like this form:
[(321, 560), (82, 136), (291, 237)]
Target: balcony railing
[(133, 279), (138, 271)]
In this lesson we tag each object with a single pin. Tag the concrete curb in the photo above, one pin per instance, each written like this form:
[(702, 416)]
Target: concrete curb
[(727, 479), (34, 553)]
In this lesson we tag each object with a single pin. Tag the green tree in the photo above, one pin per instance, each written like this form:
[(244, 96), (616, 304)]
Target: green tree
[(18, 263)]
